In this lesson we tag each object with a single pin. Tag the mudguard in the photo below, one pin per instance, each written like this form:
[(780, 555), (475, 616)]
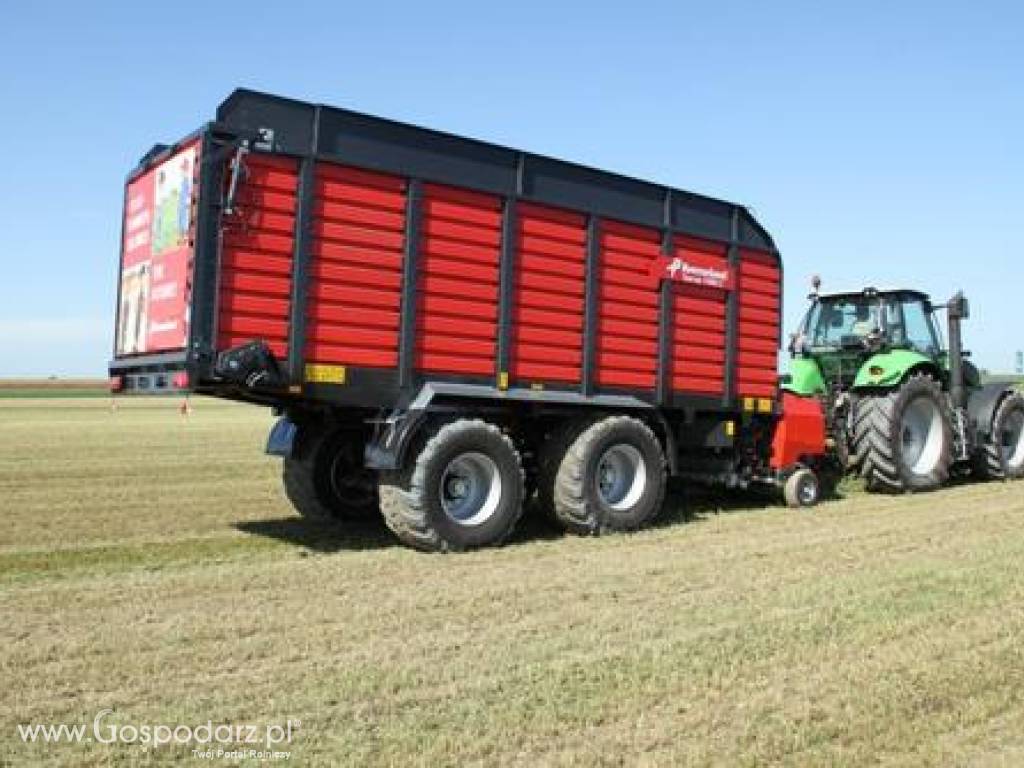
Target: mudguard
[(281, 440), (804, 378), (887, 369)]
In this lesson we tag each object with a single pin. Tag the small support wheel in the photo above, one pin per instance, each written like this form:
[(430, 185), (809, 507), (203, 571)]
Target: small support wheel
[(802, 489)]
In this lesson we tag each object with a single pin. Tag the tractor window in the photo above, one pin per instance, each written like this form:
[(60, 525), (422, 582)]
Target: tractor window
[(894, 325), (836, 323), (920, 334)]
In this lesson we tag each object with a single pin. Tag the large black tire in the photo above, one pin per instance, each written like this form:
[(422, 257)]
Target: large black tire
[(902, 440), (549, 459), (325, 479), (610, 477), (462, 487), (1001, 457)]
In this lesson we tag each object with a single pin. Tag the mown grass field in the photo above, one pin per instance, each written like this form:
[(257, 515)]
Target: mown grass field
[(149, 565), (59, 388)]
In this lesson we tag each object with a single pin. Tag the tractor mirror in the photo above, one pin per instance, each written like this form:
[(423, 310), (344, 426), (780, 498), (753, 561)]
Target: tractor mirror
[(960, 307)]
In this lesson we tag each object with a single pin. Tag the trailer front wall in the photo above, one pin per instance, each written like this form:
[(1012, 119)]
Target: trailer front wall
[(760, 303), (354, 295)]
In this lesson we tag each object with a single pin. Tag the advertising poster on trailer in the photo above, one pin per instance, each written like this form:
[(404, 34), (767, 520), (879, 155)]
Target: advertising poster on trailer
[(156, 257)]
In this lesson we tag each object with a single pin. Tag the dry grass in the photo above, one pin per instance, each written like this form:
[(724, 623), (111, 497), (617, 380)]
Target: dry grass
[(149, 565)]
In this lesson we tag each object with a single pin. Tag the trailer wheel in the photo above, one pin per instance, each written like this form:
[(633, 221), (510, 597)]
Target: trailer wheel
[(463, 488), (902, 439), (802, 489), (611, 477), (1002, 455), (325, 480), (549, 459)]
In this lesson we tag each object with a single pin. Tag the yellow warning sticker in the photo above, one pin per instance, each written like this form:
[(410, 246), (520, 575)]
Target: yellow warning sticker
[(325, 374), (764, 405)]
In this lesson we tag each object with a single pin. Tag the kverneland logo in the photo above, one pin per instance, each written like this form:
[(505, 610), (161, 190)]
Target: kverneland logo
[(710, 274)]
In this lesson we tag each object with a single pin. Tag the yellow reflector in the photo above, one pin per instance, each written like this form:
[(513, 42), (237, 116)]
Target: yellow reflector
[(295, 389), (730, 428), (537, 385), (764, 405), (503, 380), (748, 403), (325, 374)]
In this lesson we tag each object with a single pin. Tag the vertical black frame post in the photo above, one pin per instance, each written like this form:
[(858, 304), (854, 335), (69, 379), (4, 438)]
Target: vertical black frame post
[(506, 289), (666, 292), (410, 272), (206, 260), (732, 313), (302, 259), (591, 304), (301, 263)]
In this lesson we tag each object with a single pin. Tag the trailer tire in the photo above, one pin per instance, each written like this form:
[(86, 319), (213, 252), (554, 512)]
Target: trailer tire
[(1001, 456), (611, 478), (462, 488), (902, 439), (325, 480), (549, 459)]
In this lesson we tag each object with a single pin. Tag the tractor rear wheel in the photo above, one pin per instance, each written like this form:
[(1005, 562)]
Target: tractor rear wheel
[(462, 487), (902, 440), (325, 479), (1002, 455)]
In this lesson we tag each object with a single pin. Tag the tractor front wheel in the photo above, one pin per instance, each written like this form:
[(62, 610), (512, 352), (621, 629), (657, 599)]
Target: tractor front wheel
[(902, 440)]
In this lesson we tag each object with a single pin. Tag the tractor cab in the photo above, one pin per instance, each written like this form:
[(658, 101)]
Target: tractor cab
[(867, 321), (842, 330)]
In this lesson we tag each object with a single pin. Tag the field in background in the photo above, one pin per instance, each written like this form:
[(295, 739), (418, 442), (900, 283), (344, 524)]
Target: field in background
[(43, 388), (149, 565)]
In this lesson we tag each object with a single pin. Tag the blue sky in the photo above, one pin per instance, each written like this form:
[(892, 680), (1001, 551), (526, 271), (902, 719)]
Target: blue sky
[(878, 142)]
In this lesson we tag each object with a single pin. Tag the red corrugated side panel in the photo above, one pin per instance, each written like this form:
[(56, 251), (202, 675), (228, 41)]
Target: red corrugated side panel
[(547, 311), (256, 258), (758, 338), (457, 317), (627, 334), (699, 327), (354, 297)]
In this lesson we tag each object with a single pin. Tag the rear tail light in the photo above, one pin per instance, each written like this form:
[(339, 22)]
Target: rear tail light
[(180, 380), (116, 383)]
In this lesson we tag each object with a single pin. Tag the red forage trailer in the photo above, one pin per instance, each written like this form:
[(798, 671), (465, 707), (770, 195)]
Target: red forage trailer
[(447, 327)]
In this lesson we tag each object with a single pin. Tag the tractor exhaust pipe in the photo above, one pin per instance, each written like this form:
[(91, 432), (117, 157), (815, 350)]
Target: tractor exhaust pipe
[(959, 309)]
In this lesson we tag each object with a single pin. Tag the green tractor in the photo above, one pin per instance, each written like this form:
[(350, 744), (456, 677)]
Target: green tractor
[(903, 410)]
